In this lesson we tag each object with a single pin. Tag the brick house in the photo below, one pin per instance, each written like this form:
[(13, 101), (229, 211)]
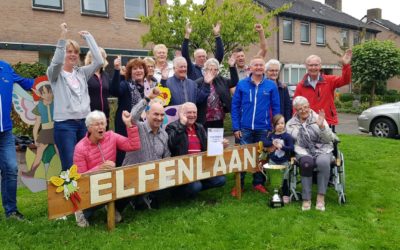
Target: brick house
[(310, 27), (30, 29)]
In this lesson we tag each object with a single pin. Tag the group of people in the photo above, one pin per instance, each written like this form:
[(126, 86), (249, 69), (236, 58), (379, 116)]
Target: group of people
[(258, 102)]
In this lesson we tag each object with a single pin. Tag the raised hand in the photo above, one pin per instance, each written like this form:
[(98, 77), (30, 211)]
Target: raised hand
[(83, 33), (64, 30), (127, 118), (165, 71), (117, 63), (154, 92), (321, 119), (188, 30), (182, 117), (232, 59), (258, 27), (123, 71), (217, 28), (209, 76), (346, 59)]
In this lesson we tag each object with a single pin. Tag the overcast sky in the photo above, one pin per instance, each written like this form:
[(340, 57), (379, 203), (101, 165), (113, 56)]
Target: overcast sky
[(358, 8)]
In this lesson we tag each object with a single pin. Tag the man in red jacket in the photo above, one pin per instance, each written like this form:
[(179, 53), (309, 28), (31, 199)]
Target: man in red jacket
[(319, 89)]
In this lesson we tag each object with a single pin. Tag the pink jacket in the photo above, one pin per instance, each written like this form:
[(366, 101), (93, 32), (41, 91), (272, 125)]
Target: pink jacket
[(89, 156)]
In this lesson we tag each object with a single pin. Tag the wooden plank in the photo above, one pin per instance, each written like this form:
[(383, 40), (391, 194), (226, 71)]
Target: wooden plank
[(111, 216), (103, 187)]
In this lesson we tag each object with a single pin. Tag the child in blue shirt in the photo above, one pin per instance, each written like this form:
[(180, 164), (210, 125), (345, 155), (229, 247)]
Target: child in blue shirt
[(280, 147)]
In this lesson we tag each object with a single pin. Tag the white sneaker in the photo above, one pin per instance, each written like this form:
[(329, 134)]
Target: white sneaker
[(62, 218), (80, 219), (118, 217)]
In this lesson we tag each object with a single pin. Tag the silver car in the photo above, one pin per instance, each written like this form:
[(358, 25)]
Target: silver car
[(382, 121)]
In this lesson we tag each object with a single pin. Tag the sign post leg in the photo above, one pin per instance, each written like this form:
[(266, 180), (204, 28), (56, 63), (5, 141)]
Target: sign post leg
[(111, 216), (238, 186)]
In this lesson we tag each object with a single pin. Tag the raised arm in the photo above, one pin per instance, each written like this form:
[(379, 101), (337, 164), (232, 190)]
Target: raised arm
[(138, 109), (97, 62), (263, 42), (56, 64), (233, 72), (219, 46), (132, 142), (185, 49), (116, 88), (345, 78)]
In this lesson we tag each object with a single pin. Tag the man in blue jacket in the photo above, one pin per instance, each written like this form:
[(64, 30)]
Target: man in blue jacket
[(8, 157), (195, 70), (256, 98)]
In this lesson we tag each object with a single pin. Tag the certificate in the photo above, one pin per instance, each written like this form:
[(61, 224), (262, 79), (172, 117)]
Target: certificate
[(215, 137)]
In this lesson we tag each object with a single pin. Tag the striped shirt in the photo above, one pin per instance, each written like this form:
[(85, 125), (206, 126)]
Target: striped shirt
[(194, 142)]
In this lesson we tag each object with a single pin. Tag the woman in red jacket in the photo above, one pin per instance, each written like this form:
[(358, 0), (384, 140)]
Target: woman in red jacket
[(98, 150)]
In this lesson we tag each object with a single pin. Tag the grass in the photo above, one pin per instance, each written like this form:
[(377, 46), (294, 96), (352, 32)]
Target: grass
[(217, 221)]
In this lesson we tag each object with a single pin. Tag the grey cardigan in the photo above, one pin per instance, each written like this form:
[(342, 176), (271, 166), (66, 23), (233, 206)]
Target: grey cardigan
[(68, 103)]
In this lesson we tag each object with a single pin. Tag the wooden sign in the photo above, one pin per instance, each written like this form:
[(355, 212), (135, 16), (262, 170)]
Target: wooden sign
[(105, 187)]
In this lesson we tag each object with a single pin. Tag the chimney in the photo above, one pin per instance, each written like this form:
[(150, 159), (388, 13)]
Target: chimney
[(374, 14), (336, 4)]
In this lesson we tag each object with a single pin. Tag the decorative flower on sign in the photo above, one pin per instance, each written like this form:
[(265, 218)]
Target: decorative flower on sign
[(67, 182)]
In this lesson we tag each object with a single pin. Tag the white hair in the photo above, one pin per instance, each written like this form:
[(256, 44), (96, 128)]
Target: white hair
[(300, 101), (313, 57), (95, 116), (272, 62), (197, 51), (187, 105), (178, 59), (211, 61)]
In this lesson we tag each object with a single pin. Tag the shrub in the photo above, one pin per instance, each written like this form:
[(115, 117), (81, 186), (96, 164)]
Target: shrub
[(345, 97)]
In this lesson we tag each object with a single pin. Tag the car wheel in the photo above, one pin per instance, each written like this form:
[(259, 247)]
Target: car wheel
[(383, 127)]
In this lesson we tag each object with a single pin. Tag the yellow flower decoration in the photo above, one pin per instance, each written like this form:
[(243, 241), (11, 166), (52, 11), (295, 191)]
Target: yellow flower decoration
[(165, 95)]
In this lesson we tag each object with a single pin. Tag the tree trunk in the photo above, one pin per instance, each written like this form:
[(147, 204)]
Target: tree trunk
[(371, 98)]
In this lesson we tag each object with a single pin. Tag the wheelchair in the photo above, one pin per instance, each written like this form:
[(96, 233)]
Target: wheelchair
[(336, 179)]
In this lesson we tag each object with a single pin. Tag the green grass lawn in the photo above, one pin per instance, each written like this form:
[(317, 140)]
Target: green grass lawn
[(215, 220)]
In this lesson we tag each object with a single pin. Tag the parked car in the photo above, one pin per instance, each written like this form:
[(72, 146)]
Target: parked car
[(382, 121)]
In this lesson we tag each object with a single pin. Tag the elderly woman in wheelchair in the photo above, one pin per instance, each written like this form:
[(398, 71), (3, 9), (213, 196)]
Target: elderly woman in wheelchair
[(313, 148)]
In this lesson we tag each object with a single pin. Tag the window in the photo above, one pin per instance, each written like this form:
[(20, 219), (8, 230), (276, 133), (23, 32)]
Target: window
[(287, 30), (356, 38), (56, 5), (320, 35), (135, 8), (305, 33), (292, 74), (94, 7), (369, 36), (344, 35)]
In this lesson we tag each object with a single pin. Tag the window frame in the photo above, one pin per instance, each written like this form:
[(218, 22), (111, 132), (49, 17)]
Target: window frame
[(283, 30), (48, 7), (94, 12), (345, 31), (309, 32), (316, 35), (136, 18), (290, 68)]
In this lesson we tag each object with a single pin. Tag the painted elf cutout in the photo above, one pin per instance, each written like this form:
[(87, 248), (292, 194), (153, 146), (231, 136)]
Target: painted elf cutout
[(37, 110)]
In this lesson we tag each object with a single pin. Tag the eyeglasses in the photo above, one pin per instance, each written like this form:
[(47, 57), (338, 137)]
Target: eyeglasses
[(303, 109)]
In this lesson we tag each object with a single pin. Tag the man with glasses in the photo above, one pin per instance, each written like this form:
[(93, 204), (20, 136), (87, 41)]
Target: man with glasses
[(319, 89)]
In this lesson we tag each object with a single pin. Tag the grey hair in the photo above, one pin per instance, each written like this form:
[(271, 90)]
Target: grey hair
[(211, 61), (94, 116), (273, 62), (188, 104), (300, 100), (313, 57), (178, 59)]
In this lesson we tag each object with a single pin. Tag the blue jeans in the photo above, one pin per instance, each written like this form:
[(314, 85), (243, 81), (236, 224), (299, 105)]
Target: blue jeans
[(66, 135), (9, 171), (248, 137), (192, 189)]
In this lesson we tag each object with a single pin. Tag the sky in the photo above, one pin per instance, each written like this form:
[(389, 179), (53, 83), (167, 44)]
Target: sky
[(358, 8)]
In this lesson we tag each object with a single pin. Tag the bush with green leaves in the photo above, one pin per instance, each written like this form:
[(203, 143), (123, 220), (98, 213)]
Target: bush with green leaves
[(374, 62)]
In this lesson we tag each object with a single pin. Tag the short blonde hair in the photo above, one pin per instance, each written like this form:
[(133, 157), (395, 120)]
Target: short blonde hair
[(158, 47), (89, 58), (149, 61), (73, 44)]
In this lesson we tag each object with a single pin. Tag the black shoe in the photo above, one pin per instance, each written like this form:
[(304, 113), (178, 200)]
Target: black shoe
[(16, 216)]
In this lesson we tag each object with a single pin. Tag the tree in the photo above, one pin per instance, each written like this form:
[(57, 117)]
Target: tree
[(167, 23), (374, 62)]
